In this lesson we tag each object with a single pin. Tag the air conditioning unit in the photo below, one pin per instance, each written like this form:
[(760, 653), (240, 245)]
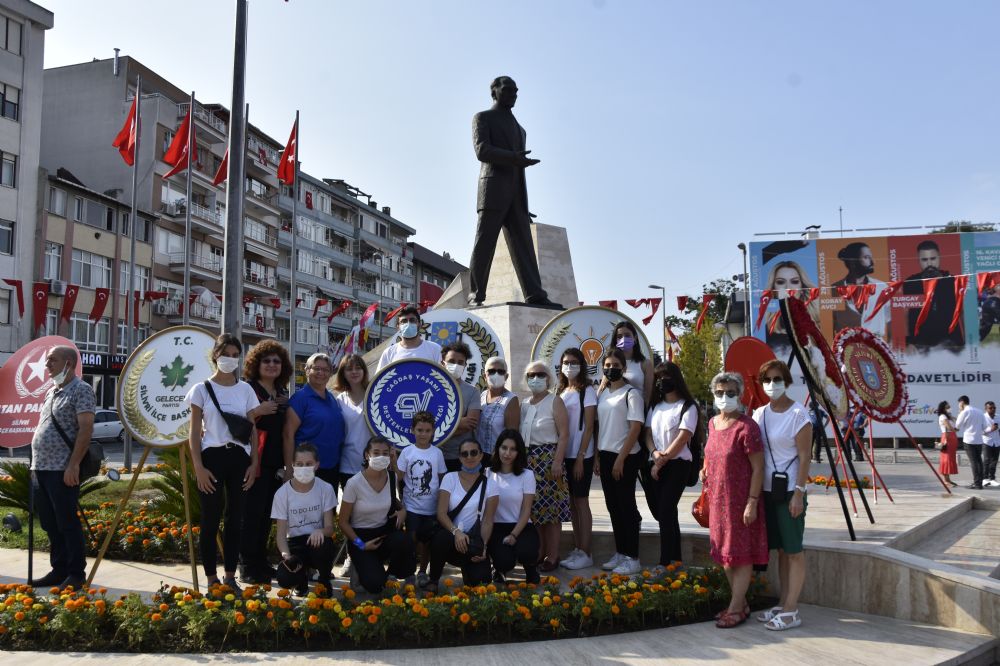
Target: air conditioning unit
[(160, 308), (57, 288)]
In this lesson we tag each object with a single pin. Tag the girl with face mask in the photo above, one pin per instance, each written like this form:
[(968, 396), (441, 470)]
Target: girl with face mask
[(787, 434), (224, 466), (372, 520), (545, 430), (580, 398), (733, 474), (638, 371), (501, 408)]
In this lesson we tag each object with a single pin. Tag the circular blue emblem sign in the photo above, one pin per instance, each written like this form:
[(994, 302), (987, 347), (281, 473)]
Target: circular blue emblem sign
[(405, 387)]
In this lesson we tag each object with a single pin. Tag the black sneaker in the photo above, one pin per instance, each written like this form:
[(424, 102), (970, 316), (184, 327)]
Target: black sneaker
[(75, 582), (302, 590), (230, 581), (48, 580)]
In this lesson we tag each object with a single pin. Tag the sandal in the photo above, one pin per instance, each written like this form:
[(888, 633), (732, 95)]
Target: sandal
[(746, 611), (767, 615), (783, 621), (730, 620)]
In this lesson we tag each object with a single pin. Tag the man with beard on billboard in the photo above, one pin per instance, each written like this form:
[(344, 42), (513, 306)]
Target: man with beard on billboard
[(860, 265), (934, 331)]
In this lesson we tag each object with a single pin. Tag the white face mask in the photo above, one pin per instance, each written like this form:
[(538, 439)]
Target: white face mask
[(725, 404), (227, 363), (304, 474), (537, 384), (775, 389), (456, 370), (496, 381), (571, 370), (59, 378), (378, 463), (408, 330)]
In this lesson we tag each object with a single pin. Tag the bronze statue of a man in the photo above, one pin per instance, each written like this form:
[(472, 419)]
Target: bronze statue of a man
[(503, 197)]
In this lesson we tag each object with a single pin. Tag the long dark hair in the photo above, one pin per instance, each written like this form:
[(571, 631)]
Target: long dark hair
[(520, 460), (580, 382), (636, 348), (943, 409), (669, 370)]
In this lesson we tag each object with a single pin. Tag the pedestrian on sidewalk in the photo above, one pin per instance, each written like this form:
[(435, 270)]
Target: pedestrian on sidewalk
[(948, 446), (60, 442), (971, 423), (991, 446)]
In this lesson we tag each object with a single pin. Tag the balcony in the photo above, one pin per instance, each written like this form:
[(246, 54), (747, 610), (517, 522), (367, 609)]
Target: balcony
[(203, 219), (172, 310), (259, 325), (209, 267), (262, 241), (266, 283), (263, 199), (205, 117)]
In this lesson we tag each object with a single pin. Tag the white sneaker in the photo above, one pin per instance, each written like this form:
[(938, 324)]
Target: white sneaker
[(581, 561), (629, 566), (990, 482), (568, 560), (615, 560)]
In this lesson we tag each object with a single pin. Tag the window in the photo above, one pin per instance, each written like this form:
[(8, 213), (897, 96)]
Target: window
[(10, 101), (91, 270), (57, 201), (52, 322), (168, 243), (53, 261), (89, 336), (78, 209), (8, 171), (141, 278), (6, 237), (5, 307), (141, 334), (143, 231), (97, 215), (10, 40)]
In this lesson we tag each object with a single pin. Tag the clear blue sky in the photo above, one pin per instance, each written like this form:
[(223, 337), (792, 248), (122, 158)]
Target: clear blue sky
[(668, 131)]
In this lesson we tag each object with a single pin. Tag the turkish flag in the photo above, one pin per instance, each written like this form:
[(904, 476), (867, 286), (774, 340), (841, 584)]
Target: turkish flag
[(961, 285), (846, 292), (655, 303), (884, 297), (320, 302), (423, 305), (223, 173), (813, 295), (40, 300), (366, 321), (289, 156), (100, 302), (17, 284), (276, 302), (177, 153), (765, 300), (191, 299), (309, 200), (706, 300), (608, 304), (636, 302), (861, 296), (340, 309), (247, 298), (389, 317), (136, 302), (154, 296), (682, 302), (125, 139), (930, 285), (260, 323), (72, 291)]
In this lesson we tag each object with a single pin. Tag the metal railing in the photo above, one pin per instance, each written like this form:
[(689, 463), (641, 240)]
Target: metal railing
[(206, 213), (266, 237), (201, 114), (266, 280), (210, 263), (250, 321), (172, 308)]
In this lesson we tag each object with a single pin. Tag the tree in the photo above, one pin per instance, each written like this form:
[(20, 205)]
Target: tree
[(723, 290), (956, 226), (700, 357)]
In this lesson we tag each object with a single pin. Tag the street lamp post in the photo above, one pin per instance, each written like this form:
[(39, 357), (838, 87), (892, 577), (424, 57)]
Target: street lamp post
[(746, 291), (663, 308)]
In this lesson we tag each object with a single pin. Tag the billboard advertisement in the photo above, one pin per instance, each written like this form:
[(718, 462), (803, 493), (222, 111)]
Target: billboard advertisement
[(954, 350)]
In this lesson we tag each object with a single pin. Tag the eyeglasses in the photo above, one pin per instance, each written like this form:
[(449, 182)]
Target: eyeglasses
[(768, 380), (470, 454), (496, 371), (270, 361), (320, 368), (533, 375), (727, 394)]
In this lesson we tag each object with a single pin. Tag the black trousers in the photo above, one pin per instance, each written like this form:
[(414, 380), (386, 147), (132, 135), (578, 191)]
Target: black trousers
[(397, 549), (517, 223), (525, 549), (56, 504), (669, 488), (443, 550), (318, 558), (256, 528), (975, 453), (228, 467), (990, 455), (619, 497)]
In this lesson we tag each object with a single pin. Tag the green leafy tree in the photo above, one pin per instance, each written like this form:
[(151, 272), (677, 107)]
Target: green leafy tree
[(700, 357), (956, 226)]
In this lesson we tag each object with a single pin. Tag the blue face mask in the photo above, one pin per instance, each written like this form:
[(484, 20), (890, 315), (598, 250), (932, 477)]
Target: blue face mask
[(472, 470), (408, 330)]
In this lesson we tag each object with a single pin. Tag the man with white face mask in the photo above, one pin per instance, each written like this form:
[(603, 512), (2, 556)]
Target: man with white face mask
[(454, 358), (55, 466), (410, 344)]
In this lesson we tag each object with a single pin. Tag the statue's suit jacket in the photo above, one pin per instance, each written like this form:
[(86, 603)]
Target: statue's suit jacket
[(497, 137)]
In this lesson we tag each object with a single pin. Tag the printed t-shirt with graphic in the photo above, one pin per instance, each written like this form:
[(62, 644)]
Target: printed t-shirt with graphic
[(303, 511), (422, 470)]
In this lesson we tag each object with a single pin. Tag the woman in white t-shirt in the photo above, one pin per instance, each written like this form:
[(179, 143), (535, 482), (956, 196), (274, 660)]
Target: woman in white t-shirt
[(466, 497), (638, 370), (672, 420), (372, 520), (349, 386), (787, 434), (514, 538), (580, 399), (224, 466), (620, 413)]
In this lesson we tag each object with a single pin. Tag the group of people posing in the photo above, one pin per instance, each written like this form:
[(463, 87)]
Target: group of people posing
[(980, 433)]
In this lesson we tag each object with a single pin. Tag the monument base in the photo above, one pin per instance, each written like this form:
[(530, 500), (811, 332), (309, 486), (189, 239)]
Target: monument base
[(517, 325)]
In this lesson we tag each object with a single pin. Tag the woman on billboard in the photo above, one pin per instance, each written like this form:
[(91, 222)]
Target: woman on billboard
[(789, 276)]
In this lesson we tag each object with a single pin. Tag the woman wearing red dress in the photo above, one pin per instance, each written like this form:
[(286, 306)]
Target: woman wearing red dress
[(948, 464), (733, 475)]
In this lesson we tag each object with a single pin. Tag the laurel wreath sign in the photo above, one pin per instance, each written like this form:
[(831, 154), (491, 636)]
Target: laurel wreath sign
[(378, 423), (147, 431), (549, 346), (484, 341)]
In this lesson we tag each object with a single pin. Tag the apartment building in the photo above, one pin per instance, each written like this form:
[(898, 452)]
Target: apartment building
[(22, 46), (433, 272), (84, 240)]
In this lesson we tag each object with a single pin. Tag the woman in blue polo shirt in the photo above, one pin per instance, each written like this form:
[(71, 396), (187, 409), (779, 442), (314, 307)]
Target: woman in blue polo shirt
[(314, 416)]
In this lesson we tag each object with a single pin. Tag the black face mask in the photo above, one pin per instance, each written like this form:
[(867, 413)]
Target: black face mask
[(666, 386), (613, 374)]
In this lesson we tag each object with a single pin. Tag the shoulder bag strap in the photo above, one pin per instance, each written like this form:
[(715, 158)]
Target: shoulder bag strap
[(211, 394), (482, 497), (767, 440), (59, 428), (465, 500)]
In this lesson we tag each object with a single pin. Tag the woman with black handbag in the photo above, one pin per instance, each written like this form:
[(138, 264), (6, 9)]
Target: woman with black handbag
[(372, 519), (223, 410), (467, 502)]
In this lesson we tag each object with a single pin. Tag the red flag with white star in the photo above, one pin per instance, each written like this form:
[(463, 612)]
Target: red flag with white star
[(69, 300), (286, 165), (40, 300)]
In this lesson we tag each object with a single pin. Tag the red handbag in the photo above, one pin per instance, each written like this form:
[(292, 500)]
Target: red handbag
[(700, 509)]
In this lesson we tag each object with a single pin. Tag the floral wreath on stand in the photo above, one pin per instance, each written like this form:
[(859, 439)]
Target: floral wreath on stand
[(820, 361), (874, 379)]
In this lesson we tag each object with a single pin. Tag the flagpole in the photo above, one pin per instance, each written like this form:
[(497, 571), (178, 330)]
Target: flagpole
[(133, 220), (187, 213), (293, 264), (232, 277)]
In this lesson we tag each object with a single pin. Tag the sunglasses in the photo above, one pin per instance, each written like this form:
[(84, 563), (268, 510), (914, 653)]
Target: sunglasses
[(496, 371), (470, 454), (728, 394), (532, 375), (271, 361), (768, 380)]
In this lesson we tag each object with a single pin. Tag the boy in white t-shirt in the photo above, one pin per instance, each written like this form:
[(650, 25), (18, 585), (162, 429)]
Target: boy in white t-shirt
[(304, 511), (420, 468)]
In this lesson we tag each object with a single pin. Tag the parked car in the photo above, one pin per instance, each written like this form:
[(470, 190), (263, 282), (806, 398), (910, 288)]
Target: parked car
[(107, 426)]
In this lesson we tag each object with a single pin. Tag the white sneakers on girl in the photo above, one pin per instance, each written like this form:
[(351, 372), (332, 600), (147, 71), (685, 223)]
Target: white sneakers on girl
[(615, 560)]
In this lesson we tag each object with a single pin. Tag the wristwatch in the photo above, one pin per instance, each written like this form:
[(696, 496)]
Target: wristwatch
[(800, 489)]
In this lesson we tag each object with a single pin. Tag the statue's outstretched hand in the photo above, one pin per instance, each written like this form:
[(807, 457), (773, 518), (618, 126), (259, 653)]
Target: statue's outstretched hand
[(524, 161)]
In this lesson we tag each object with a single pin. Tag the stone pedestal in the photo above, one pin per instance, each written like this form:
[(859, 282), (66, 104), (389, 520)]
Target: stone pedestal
[(554, 264), (517, 326)]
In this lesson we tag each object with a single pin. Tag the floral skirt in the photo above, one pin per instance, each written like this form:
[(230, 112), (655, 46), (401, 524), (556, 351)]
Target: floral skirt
[(551, 495)]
